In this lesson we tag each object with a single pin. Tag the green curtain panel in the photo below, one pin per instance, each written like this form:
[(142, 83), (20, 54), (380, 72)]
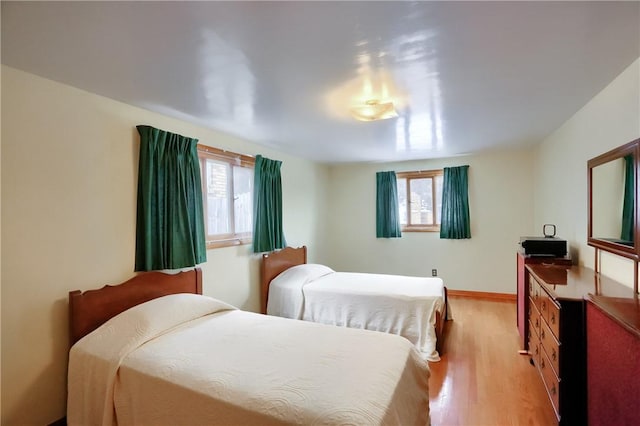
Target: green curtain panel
[(387, 214), (170, 218), (628, 203), (267, 206), (455, 223)]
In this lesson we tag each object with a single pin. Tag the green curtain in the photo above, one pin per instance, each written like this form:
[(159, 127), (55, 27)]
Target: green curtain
[(628, 202), (267, 206), (387, 214), (170, 218), (455, 222)]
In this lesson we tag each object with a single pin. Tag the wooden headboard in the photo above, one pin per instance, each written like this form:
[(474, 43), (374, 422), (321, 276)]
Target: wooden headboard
[(273, 264), (91, 309)]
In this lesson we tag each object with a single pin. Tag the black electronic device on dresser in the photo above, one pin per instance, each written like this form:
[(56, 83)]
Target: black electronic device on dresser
[(543, 246), (549, 245)]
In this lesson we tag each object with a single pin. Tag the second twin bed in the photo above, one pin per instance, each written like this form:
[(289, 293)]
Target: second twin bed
[(412, 307)]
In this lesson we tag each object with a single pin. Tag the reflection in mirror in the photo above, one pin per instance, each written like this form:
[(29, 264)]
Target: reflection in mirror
[(613, 215), (612, 201)]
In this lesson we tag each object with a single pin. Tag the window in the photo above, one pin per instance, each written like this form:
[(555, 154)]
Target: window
[(420, 200), (227, 194)]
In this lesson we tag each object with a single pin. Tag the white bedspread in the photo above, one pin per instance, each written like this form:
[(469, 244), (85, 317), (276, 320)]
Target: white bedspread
[(394, 304), (187, 359)]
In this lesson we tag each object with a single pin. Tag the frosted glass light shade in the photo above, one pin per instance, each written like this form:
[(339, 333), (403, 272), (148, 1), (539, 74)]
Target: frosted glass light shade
[(373, 110)]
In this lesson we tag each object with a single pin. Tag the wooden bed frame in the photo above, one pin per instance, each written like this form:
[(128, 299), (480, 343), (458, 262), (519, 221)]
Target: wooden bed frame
[(91, 309), (275, 263)]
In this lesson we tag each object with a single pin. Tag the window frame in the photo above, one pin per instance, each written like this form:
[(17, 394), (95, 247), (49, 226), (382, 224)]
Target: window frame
[(414, 175), (233, 160)]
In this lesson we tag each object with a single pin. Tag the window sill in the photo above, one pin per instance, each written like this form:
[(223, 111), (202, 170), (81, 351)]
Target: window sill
[(227, 243), (420, 229)]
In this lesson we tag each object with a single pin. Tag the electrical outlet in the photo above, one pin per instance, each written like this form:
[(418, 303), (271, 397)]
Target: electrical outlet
[(434, 272)]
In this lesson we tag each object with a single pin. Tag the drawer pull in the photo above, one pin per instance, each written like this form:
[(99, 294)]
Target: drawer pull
[(537, 323), (554, 356), (542, 334), (542, 363), (543, 305), (553, 318), (553, 389), (537, 350)]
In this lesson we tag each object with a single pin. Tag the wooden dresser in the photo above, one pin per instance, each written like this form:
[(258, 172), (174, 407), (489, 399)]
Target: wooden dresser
[(523, 294), (557, 332), (557, 338)]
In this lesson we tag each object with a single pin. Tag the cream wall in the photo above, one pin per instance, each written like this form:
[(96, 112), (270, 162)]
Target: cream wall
[(501, 209), (69, 175), (610, 119)]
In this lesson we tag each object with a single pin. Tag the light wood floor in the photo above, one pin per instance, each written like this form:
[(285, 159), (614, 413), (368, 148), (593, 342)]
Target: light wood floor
[(481, 379)]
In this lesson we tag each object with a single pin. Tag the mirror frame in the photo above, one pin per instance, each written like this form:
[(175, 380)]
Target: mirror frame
[(633, 252)]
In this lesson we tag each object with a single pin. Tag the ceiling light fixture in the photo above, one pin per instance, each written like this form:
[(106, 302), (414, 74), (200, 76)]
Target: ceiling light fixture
[(373, 110)]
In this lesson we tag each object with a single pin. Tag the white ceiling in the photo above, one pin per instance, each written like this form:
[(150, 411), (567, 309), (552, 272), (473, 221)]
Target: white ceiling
[(470, 76)]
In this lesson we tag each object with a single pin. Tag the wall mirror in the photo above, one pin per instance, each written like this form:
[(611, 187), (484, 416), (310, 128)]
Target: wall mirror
[(613, 220)]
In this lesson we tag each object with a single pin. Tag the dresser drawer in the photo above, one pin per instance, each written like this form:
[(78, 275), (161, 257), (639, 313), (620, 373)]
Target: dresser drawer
[(543, 304), (533, 289), (534, 345), (550, 346), (553, 318), (551, 381), (534, 319)]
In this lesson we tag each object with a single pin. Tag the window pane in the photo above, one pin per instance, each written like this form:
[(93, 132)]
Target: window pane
[(227, 186), (420, 201), (438, 198), (217, 198), (243, 194), (402, 200)]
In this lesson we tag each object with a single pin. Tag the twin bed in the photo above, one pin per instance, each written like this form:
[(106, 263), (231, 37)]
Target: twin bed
[(412, 307), (153, 350)]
